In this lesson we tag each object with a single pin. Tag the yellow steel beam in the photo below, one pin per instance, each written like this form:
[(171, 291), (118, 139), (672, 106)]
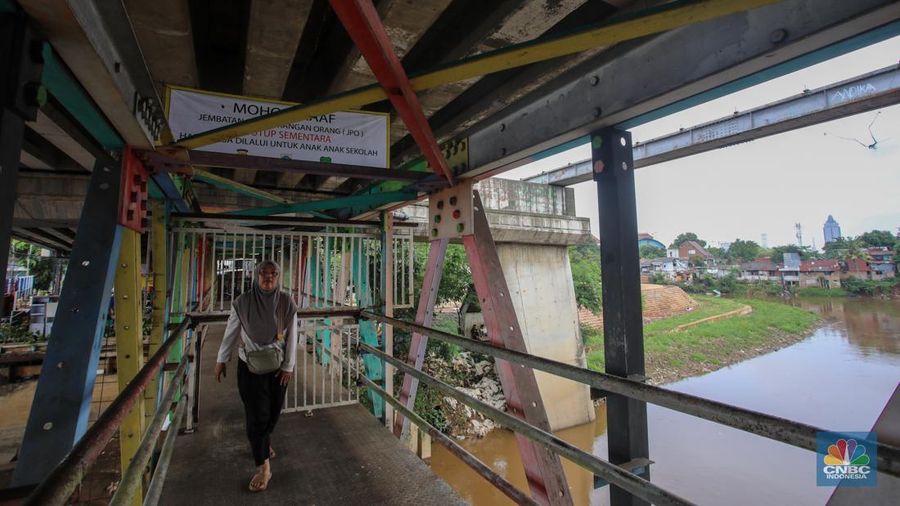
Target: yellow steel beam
[(237, 187), (659, 20), (158, 266), (129, 341)]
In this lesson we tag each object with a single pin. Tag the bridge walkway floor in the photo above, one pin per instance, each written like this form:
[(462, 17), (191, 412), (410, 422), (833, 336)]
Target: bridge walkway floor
[(339, 455)]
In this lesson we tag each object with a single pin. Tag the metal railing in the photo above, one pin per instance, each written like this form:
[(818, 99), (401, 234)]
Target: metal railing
[(776, 428), (326, 269), (63, 481), (322, 378)]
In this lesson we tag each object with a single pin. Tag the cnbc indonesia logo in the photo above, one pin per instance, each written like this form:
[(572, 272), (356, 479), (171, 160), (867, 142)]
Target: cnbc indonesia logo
[(846, 460)]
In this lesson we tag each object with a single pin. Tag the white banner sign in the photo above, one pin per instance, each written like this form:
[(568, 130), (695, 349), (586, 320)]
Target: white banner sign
[(352, 138)]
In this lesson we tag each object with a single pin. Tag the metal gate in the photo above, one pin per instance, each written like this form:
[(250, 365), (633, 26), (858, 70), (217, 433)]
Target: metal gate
[(323, 268), (322, 378)]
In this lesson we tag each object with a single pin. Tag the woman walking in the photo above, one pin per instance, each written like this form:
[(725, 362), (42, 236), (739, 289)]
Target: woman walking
[(263, 321)]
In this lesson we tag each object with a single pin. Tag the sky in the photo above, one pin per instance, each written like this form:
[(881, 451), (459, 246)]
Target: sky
[(767, 185)]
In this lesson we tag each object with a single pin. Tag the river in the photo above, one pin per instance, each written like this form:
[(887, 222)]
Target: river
[(838, 378)]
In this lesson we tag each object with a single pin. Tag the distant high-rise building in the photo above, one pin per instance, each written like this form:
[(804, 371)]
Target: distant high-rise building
[(764, 240), (831, 230)]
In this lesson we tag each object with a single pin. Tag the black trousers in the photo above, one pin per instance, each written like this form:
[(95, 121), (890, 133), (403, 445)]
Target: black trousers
[(263, 398)]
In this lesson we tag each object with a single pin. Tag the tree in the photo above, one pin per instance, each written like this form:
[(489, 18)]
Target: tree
[(834, 250), (743, 251), (717, 253), (687, 236), (855, 250), (456, 278), (806, 253), (878, 238), (584, 260), (648, 251)]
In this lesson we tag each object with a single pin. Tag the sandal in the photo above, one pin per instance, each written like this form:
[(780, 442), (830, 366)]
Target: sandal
[(259, 482)]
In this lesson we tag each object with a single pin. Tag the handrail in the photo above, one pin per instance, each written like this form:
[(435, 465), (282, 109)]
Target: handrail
[(128, 485), (61, 483), (780, 429), (610, 472), (453, 447), (154, 490)]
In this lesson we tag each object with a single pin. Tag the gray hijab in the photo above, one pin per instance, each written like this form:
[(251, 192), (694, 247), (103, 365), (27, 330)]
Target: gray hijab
[(264, 313)]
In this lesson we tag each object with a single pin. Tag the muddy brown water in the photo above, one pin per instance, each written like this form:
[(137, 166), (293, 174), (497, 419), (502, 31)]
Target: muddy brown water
[(838, 378)]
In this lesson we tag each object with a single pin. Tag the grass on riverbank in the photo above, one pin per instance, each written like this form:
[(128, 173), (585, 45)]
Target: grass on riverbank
[(814, 291), (672, 355)]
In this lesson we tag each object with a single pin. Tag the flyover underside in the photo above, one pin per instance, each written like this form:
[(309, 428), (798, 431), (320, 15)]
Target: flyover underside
[(336, 456)]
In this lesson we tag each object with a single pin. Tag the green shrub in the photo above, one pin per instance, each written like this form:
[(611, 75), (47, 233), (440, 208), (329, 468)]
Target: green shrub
[(658, 278), (18, 333)]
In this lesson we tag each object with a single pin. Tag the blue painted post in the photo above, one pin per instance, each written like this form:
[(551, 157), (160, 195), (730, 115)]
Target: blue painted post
[(373, 366), (324, 336), (20, 73), (62, 401)]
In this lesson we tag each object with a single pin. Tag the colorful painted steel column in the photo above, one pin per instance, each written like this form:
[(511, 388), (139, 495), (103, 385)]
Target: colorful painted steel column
[(387, 295), (129, 341), (159, 315), (368, 334), (623, 330), (62, 401), (434, 270), (543, 468)]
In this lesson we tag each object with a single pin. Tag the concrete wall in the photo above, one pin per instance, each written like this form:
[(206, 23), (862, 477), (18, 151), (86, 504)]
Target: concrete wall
[(540, 283), (521, 196), (520, 212)]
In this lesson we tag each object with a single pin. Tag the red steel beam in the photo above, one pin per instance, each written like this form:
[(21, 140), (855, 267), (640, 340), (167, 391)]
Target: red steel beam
[(434, 270), (361, 21), (543, 468)]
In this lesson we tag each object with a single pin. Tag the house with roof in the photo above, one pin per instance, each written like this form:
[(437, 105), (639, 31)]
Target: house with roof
[(692, 251), (645, 239), (789, 270), (820, 273), (674, 268), (760, 269), (882, 262), (856, 268)]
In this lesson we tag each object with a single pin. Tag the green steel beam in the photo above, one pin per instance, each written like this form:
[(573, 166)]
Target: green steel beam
[(71, 95), (374, 199)]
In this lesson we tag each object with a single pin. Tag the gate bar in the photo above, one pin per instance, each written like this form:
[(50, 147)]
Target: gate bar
[(773, 427)]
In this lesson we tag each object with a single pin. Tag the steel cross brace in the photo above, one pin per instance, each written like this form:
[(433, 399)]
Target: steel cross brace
[(434, 270), (364, 26), (62, 401), (543, 468)]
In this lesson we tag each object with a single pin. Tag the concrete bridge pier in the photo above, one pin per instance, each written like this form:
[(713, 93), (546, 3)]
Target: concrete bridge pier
[(540, 283), (532, 226)]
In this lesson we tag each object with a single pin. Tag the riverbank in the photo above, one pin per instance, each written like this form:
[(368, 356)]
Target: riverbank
[(673, 352)]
